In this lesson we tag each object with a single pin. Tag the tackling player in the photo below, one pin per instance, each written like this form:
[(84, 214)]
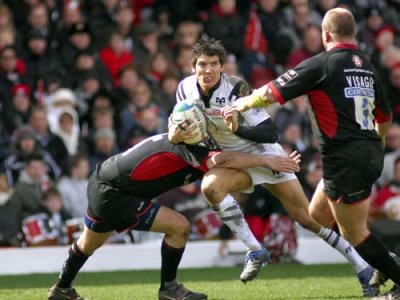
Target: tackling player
[(351, 116), (255, 133), (120, 192)]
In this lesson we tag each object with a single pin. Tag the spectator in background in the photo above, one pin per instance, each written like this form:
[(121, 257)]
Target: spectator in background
[(368, 29), (73, 187), (18, 113), (159, 64), (186, 35), (140, 99), (12, 70), (115, 56), (87, 61), (86, 90), (69, 131), (56, 215), (105, 146), (183, 62), (39, 58), (147, 44), (79, 39), (384, 38), (271, 20), (128, 79), (226, 24), (102, 118), (101, 15), (150, 120), (38, 20), (28, 192), (312, 45), (57, 102), (24, 146), (168, 85), (46, 139), (7, 25), (124, 16)]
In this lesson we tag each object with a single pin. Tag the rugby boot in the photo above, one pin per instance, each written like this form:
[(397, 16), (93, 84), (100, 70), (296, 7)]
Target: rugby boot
[(364, 277), (254, 261), (176, 291), (56, 293)]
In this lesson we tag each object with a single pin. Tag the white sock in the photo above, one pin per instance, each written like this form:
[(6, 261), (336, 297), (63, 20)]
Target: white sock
[(344, 247), (231, 213)]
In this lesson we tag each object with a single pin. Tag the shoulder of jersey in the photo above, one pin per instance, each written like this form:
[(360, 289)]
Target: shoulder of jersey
[(232, 79), (186, 86)]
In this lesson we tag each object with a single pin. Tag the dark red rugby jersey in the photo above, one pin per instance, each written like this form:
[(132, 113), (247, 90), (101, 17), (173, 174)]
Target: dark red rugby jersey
[(155, 166), (346, 96)]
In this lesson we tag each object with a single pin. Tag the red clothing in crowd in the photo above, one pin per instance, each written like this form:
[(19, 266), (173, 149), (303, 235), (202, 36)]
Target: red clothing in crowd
[(114, 62)]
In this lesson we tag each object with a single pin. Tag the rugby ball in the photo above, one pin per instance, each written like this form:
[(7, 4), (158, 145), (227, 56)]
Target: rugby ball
[(187, 110)]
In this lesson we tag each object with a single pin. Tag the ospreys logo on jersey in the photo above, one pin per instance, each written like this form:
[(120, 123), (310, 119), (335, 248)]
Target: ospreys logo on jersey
[(220, 101), (286, 77), (357, 61)]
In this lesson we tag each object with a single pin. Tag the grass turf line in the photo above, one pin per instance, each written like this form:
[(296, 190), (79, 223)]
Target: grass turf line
[(282, 281)]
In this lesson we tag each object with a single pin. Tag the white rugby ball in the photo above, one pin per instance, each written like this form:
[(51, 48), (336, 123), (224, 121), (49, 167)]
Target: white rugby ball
[(187, 110)]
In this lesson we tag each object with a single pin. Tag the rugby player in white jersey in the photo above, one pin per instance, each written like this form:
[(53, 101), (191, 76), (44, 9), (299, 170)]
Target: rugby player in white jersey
[(251, 132)]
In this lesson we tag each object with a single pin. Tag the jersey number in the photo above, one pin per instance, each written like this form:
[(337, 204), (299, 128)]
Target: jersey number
[(364, 106)]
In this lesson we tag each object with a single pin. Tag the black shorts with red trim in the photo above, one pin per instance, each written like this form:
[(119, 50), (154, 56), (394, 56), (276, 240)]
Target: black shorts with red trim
[(113, 208), (350, 172)]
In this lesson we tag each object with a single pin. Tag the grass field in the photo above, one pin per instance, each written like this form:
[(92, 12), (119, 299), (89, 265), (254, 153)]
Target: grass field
[(284, 281)]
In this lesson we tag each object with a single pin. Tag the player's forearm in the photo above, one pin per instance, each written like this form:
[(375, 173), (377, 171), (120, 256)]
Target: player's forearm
[(261, 97), (236, 160), (382, 129)]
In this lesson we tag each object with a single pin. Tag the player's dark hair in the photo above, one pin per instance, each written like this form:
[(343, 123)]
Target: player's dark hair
[(211, 47), (341, 22)]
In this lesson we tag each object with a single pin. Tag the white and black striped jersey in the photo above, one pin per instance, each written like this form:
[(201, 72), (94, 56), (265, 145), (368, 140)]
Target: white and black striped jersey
[(227, 90)]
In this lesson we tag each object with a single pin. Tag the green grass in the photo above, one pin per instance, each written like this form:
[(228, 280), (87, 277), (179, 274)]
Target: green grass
[(283, 281)]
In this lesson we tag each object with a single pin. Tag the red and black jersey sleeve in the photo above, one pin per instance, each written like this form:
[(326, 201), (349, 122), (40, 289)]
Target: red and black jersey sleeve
[(298, 81)]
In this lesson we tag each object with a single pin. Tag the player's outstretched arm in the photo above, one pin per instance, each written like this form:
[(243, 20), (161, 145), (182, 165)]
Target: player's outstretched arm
[(240, 160), (261, 97)]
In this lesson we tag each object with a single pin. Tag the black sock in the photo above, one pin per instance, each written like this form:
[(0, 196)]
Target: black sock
[(378, 255), (74, 262), (170, 259)]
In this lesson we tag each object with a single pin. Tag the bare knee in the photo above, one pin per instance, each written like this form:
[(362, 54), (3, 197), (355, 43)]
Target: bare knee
[(181, 229), (90, 241), (211, 189)]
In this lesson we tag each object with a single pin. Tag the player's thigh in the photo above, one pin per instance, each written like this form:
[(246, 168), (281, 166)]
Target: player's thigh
[(352, 220), (90, 240), (319, 207), (226, 180), (170, 222)]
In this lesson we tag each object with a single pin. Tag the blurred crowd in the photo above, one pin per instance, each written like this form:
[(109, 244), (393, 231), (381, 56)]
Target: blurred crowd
[(84, 79)]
